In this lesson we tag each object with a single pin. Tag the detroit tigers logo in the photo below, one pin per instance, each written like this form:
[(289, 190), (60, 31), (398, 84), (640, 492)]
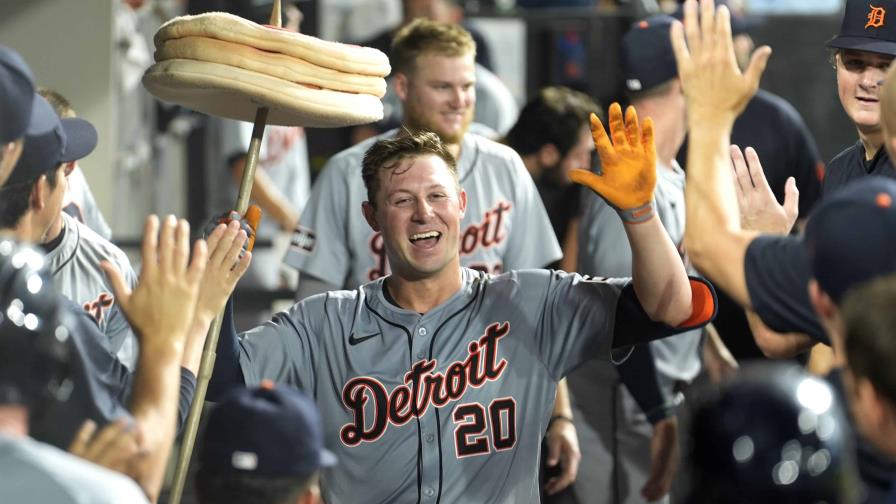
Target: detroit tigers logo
[(484, 234), (876, 17), (97, 307), (422, 387)]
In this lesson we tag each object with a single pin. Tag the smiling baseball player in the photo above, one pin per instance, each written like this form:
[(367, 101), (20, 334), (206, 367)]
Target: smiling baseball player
[(435, 383)]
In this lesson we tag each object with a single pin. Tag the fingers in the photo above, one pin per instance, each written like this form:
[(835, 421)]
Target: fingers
[(213, 238), (758, 62), (617, 127), (679, 47), (553, 457), (116, 280), (601, 141), (236, 248), (166, 243), (223, 242), (181, 252), (741, 172), (198, 263), (150, 245), (723, 40), (586, 178), (692, 27), (632, 132), (707, 21), (79, 444), (757, 175), (647, 135), (791, 199)]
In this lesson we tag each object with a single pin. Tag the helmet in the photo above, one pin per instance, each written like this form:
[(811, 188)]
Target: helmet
[(34, 341), (773, 435)]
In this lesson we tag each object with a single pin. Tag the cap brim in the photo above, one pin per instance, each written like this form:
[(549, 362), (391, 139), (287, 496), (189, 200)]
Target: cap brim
[(43, 117), (80, 139), (863, 44), (327, 458)]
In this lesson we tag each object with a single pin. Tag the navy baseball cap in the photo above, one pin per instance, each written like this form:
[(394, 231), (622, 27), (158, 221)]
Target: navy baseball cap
[(646, 53), (66, 140), (868, 26), (17, 98), (270, 430), (851, 236)]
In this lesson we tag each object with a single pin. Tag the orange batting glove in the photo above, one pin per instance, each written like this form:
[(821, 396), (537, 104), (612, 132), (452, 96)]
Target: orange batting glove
[(628, 165)]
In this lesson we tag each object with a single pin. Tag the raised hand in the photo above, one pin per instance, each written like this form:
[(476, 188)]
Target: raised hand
[(713, 85), (759, 210), (117, 446), (162, 306), (227, 263), (628, 164)]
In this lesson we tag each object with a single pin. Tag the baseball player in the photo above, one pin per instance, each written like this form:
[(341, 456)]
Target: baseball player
[(74, 252), (434, 76), (439, 379)]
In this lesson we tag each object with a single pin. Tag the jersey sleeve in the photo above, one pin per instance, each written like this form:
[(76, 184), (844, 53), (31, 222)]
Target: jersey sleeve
[(283, 349), (320, 244), (777, 274), (576, 322), (532, 243)]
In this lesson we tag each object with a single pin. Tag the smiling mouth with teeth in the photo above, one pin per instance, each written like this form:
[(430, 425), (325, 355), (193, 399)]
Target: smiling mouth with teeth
[(424, 236)]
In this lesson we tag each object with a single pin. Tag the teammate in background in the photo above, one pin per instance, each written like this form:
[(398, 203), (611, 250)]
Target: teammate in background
[(74, 252), (626, 413), (21, 110), (433, 68), (35, 369), (79, 201), (496, 109), (553, 135), (775, 275), (262, 445), (439, 378)]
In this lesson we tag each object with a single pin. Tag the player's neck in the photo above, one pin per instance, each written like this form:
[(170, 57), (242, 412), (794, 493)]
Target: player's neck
[(423, 294), (872, 140)]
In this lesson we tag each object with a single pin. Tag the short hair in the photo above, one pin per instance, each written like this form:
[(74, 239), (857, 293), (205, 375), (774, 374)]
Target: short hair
[(213, 487), (422, 36), (387, 153), (15, 199), (59, 103), (870, 333), (554, 116)]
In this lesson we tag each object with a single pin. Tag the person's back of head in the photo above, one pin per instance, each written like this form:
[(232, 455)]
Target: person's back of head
[(647, 58), (554, 116), (423, 36), (34, 338), (869, 320), (262, 445), (774, 434)]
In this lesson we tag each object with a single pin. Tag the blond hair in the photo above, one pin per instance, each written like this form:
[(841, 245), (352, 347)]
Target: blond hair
[(422, 36)]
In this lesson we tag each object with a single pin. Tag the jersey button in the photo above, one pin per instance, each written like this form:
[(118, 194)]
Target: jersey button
[(429, 492), (421, 331), (430, 438), (420, 355)]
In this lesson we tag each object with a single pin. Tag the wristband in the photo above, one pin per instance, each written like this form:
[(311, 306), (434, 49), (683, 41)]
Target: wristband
[(637, 215), (559, 417)]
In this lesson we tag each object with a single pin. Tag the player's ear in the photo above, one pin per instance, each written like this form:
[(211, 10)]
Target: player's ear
[(548, 155), (370, 215), (462, 201), (400, 81), (38, 193), (822, 303)]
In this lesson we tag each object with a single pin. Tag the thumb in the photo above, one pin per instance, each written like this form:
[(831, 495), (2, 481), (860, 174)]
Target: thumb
[(119, 287), (791, 198), (758, 61)]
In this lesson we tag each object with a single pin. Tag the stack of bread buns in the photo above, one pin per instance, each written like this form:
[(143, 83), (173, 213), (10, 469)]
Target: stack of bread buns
[(227, 66)]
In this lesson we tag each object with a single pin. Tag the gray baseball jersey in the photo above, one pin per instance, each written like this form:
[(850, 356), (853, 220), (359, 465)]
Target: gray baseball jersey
[(75, 267), (80, 204), (446, 406), (505, 226)]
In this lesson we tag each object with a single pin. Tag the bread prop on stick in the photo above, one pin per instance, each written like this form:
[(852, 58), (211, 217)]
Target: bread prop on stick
[(227, 66)]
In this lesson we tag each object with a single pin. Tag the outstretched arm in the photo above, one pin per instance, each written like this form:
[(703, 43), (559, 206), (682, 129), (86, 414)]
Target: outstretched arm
[(716, 93), (627, 183)]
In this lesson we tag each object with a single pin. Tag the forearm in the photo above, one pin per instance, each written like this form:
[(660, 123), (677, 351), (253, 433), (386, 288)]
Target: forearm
[(658, 273), (155, 408), (775, 345), (268, 196), (196, 342), (562, 407)]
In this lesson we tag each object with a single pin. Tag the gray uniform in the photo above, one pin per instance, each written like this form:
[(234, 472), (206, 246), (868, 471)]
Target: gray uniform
[(505, 226), (614, 433), (75, 267), (36, 472), (447, 406), (80, 204)]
